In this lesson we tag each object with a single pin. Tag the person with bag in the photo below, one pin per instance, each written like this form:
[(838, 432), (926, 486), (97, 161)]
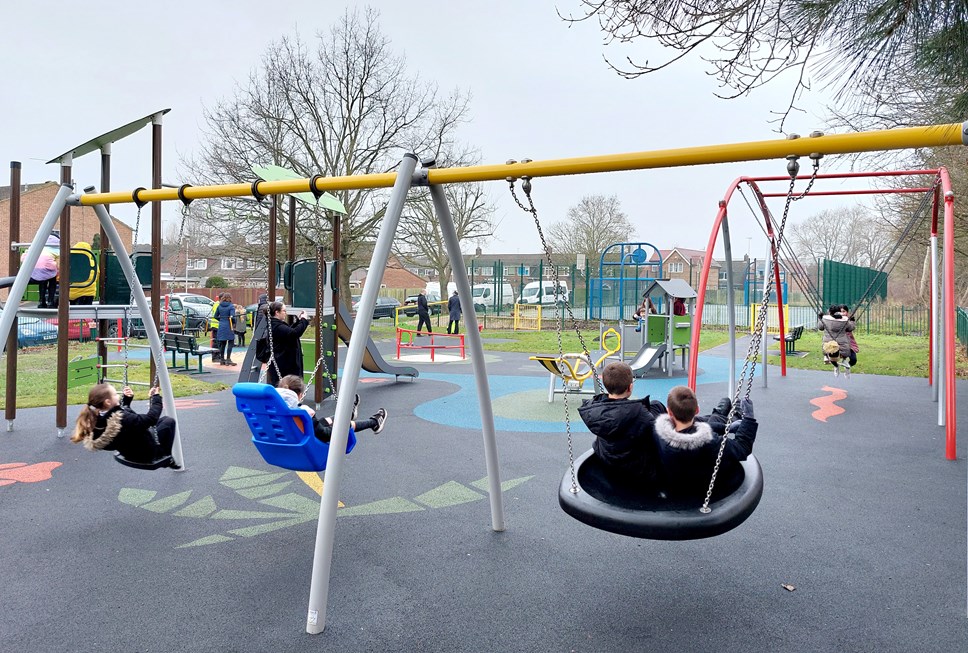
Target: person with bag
[(286, 348), (225, 314)]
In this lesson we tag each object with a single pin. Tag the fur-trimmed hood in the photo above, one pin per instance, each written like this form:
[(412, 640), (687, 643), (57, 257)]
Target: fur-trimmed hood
[(103, 439), (695, 437)]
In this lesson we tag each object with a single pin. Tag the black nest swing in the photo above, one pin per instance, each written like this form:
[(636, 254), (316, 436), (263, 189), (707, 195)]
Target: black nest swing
[(602, 505)]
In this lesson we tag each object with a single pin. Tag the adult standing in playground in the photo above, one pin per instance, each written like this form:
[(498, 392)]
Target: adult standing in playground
[(241, 324), (225, 314), (213, 329), (286, 348), (453, 308), (423, 311)]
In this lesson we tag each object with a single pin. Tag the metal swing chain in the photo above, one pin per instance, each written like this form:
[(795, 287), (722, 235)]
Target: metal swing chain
[(559, 325), (127, 331), (268, 326), (322, 354), (749, 365)]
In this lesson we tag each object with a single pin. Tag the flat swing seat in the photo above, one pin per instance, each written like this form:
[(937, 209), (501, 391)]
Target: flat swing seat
[(164, 461), (283, 435), (600, 505)]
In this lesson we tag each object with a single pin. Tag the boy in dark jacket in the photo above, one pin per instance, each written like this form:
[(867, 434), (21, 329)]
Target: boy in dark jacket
[(687, 446), (623, 428)]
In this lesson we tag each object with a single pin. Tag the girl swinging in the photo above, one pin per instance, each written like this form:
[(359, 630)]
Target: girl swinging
[(107, 422)]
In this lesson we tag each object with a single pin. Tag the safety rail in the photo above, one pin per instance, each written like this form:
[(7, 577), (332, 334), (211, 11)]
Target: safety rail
[(432, 346)]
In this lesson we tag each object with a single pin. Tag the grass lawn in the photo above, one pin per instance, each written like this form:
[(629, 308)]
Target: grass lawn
[(879, 354), (36, 378)]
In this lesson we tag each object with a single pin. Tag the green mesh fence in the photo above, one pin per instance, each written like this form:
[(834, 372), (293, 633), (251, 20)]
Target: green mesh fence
[(847, 284)]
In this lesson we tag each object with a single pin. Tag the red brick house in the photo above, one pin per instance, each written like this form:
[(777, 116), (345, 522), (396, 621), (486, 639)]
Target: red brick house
[(686, 264)]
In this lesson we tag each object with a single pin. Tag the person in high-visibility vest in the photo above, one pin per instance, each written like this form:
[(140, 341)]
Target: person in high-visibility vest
[(213, 330)]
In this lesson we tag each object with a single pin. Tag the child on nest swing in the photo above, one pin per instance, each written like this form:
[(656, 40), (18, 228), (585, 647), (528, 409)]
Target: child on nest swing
[(687, 446), (624, 429), (292, 389)]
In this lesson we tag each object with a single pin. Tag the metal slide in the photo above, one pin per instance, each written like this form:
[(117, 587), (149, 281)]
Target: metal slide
[(372, 359), (645, 359)]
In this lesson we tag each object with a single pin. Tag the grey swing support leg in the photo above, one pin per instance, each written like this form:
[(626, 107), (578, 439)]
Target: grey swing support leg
[(151, 329), (16, 293), (323, 552)]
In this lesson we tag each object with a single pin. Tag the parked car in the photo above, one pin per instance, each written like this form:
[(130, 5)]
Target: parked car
[(385, 307), (191, 298), (34, 332), (193, 314), (78, 329), (411, 303), (138, 328)]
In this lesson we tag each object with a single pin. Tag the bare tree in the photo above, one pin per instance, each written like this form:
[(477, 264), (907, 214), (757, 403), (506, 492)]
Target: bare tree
[(849, 235), (419, 239), (343, 105), (590, 226), (750, 43)]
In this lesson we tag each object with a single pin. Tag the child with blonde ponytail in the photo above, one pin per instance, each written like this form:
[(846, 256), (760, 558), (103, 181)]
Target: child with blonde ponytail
[(107, 422)]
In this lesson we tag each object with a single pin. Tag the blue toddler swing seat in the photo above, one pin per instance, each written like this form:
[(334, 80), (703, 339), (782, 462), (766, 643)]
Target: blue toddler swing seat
[(283, 435)]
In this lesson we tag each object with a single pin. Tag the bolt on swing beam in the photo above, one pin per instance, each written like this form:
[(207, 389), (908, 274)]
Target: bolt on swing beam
[(889, 139)]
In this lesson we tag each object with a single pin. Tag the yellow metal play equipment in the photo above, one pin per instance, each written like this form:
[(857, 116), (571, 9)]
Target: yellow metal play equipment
[(575, 369)]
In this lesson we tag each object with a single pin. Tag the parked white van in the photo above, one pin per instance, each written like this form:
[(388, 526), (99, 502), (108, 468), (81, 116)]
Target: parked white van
[(489, 296), (543, 292), (433, 287)]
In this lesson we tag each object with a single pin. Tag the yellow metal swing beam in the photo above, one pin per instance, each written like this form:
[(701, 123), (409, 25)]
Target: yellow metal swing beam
[(889, 139)]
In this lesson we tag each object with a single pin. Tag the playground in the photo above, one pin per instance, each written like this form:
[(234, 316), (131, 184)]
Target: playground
[(424, 538), (857, 544)]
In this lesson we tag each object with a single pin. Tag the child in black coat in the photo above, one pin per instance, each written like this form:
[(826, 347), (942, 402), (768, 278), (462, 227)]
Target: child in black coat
[(623, 428), (107, 422), (292, 389), (687, 446)]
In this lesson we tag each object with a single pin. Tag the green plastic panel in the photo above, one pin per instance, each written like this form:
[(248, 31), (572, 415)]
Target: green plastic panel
[(116, 289)]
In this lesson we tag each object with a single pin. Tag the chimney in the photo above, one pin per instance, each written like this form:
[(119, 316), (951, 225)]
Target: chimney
[(477, 252)]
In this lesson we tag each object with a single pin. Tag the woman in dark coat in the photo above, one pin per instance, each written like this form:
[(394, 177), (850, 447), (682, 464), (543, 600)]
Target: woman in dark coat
[(107, 422), (286, 348), (453, 308), (225, 314)]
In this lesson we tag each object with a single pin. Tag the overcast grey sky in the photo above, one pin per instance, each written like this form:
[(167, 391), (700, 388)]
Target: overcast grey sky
[(540, 89)]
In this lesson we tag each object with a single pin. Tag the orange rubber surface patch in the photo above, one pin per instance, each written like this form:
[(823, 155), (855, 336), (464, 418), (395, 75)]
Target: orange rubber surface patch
[(827, 406)]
